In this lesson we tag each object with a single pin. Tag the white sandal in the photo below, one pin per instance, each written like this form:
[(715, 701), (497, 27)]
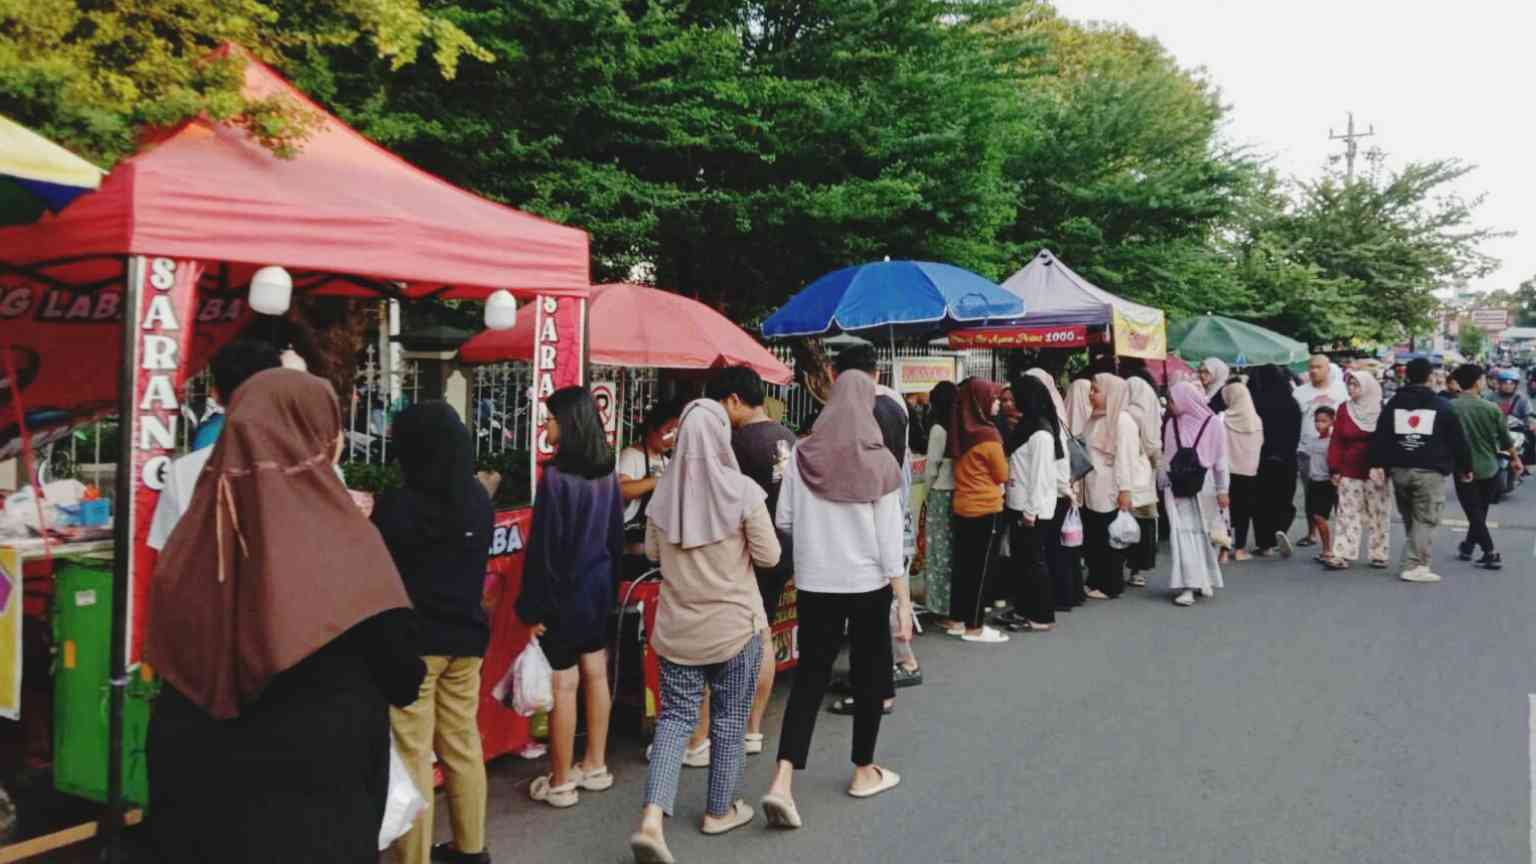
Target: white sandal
[(555, 796), (593, 781), (987, 636), (753, 743)]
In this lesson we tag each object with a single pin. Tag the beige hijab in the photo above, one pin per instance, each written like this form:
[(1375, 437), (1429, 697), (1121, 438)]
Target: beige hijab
[(1106, 427), (845, 459), (1079, 408), (1144, 408), (1245, 431)]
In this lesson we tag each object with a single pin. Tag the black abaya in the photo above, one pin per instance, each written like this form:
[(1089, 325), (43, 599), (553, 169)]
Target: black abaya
[(300, 777)]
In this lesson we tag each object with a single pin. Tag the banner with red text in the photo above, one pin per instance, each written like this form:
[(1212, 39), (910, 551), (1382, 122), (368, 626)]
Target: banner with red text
[(1060, 336), (558, 358)]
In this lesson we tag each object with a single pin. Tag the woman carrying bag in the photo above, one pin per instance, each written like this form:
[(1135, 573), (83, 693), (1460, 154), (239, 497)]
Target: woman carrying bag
[(1121, 480), (1194, 464)]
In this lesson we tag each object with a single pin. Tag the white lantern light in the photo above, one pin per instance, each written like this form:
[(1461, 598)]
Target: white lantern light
[(500, 311), (271, 291)]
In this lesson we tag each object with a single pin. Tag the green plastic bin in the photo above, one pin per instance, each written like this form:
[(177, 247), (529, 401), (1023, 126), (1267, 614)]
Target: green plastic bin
[(82, 626)]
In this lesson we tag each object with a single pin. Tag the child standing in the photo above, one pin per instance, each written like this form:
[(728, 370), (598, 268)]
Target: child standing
[(1321, 493)]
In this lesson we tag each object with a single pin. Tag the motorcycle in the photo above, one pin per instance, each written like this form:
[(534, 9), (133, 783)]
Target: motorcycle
[(1508, 479)]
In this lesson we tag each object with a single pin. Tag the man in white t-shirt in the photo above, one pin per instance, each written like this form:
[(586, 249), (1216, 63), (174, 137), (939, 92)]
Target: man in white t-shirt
[(234, 363), (640, 466), (1323, 386)]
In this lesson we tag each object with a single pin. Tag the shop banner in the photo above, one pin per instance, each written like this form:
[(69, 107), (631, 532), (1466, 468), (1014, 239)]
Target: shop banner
[(167, 293), (62, 324), (503, 730), (559, 327), (1146, 338), (10, 633), (921, 374), (1061, 336)]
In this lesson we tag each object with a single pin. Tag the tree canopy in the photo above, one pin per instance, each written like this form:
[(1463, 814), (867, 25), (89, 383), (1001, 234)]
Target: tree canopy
[(733, 150)]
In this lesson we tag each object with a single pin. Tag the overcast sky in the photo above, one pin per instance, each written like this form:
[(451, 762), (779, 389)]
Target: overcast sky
[(1436, 79)]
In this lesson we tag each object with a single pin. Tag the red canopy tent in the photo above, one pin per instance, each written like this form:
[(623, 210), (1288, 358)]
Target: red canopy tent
[(163, 251), (639, 327)]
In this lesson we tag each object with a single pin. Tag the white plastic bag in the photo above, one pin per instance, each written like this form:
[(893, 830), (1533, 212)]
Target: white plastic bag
[(403, 804), (532, 684), (1124, 532), (1072, 529)]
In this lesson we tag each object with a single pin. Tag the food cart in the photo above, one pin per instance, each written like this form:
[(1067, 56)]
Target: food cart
[(634, 327), (110, 305)]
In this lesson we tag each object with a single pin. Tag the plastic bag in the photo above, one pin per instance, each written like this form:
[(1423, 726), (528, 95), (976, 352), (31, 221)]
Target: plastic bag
[(1072, 529), (532, 684), (1124, 532), (403, 804)]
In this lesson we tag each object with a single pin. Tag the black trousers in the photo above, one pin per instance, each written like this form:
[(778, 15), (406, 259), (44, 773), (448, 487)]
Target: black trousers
[(1244, 495), (1106, 564), (1034, 566), (1143, 556), (1476, 497), (822, 619), (1066, 562), (973, 545), (1276, 505)]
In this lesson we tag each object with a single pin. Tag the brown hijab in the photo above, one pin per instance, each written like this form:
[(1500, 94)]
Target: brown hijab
[(845, 459), (973, 417), (272, 560)]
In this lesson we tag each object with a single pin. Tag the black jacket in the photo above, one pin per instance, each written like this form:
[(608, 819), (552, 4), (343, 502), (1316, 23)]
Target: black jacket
[(445, 578), (1418, 429)]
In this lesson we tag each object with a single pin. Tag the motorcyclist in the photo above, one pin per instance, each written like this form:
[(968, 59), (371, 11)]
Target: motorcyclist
[(1516, 405)]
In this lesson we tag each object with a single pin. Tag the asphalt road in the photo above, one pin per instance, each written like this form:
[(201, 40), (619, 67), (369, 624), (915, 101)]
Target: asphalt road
[(1300, 716)]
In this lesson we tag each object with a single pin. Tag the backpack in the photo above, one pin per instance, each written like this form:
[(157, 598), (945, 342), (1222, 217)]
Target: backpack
[(1186, 476)]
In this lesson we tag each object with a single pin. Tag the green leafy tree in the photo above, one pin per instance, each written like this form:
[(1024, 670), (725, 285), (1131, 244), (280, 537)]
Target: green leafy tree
[(727, 150), (90, 74), (1471, 340), (1120, 166)]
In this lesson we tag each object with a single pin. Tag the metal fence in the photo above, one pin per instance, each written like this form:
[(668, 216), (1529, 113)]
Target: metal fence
[(385, 385)]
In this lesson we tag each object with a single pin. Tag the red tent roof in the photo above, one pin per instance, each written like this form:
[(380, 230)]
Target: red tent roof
[(342, 206), (639, 327)]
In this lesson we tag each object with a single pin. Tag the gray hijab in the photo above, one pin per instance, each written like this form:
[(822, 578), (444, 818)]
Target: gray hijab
[(845, 459)]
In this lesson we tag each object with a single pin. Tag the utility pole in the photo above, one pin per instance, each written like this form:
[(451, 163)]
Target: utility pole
[(1350, 147)]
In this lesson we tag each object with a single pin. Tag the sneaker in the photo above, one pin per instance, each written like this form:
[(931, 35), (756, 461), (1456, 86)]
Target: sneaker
[(1283, 544), (1491, 561), (447, 854), (1185, 598), (1464, 551), (1419, 574)]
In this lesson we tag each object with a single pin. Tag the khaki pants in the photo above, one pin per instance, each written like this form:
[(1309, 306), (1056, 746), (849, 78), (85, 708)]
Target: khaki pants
[(1420, 500), (442, 719)]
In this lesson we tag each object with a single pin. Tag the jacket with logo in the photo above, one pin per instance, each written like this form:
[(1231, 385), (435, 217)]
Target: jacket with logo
[(1418, 429)]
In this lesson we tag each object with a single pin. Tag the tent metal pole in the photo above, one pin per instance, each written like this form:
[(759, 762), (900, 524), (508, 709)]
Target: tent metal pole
[(122, 558)]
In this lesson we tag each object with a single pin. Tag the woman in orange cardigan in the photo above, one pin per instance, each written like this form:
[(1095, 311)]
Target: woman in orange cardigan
[(981, 469)]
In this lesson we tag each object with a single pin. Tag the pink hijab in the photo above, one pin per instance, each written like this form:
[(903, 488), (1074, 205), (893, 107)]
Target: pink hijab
[(1050, 387), (845, 459), (1106, 429), (1187, 412), (703, 497), (1079, 408)]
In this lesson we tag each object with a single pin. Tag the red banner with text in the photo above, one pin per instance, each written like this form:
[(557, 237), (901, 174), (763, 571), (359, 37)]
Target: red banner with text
[(559, 327), (1063, 336)]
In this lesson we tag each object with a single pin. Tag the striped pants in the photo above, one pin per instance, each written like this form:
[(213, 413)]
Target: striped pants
[(730, 700)]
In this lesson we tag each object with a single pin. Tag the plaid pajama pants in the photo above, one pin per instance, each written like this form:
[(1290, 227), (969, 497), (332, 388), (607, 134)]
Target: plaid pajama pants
[(730, 700)]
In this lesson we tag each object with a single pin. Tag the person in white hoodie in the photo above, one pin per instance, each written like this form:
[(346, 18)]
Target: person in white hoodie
[(840, 501)]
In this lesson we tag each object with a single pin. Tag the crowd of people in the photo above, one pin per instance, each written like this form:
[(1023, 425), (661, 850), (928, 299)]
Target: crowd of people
[(295, 630)]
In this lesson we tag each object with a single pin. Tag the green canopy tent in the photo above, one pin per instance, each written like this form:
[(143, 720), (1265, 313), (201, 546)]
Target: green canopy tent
[(1238, 343)]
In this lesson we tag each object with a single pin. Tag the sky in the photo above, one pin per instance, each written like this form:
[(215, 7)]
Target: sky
[(1435, 79)]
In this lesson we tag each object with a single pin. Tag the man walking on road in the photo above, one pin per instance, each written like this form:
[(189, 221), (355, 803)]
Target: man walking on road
[(1487, 436), (1323, 388), (1420, 442)]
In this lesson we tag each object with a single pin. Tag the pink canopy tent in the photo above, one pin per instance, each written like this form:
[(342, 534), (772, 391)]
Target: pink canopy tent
[(638, 327)]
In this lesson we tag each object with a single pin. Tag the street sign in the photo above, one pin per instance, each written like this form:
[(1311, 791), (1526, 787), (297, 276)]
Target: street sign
[(1492, 320)]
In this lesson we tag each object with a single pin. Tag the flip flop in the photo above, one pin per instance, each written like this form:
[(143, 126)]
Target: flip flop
[(648, 850), (780, 812), (741, 815), (888, 781)]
